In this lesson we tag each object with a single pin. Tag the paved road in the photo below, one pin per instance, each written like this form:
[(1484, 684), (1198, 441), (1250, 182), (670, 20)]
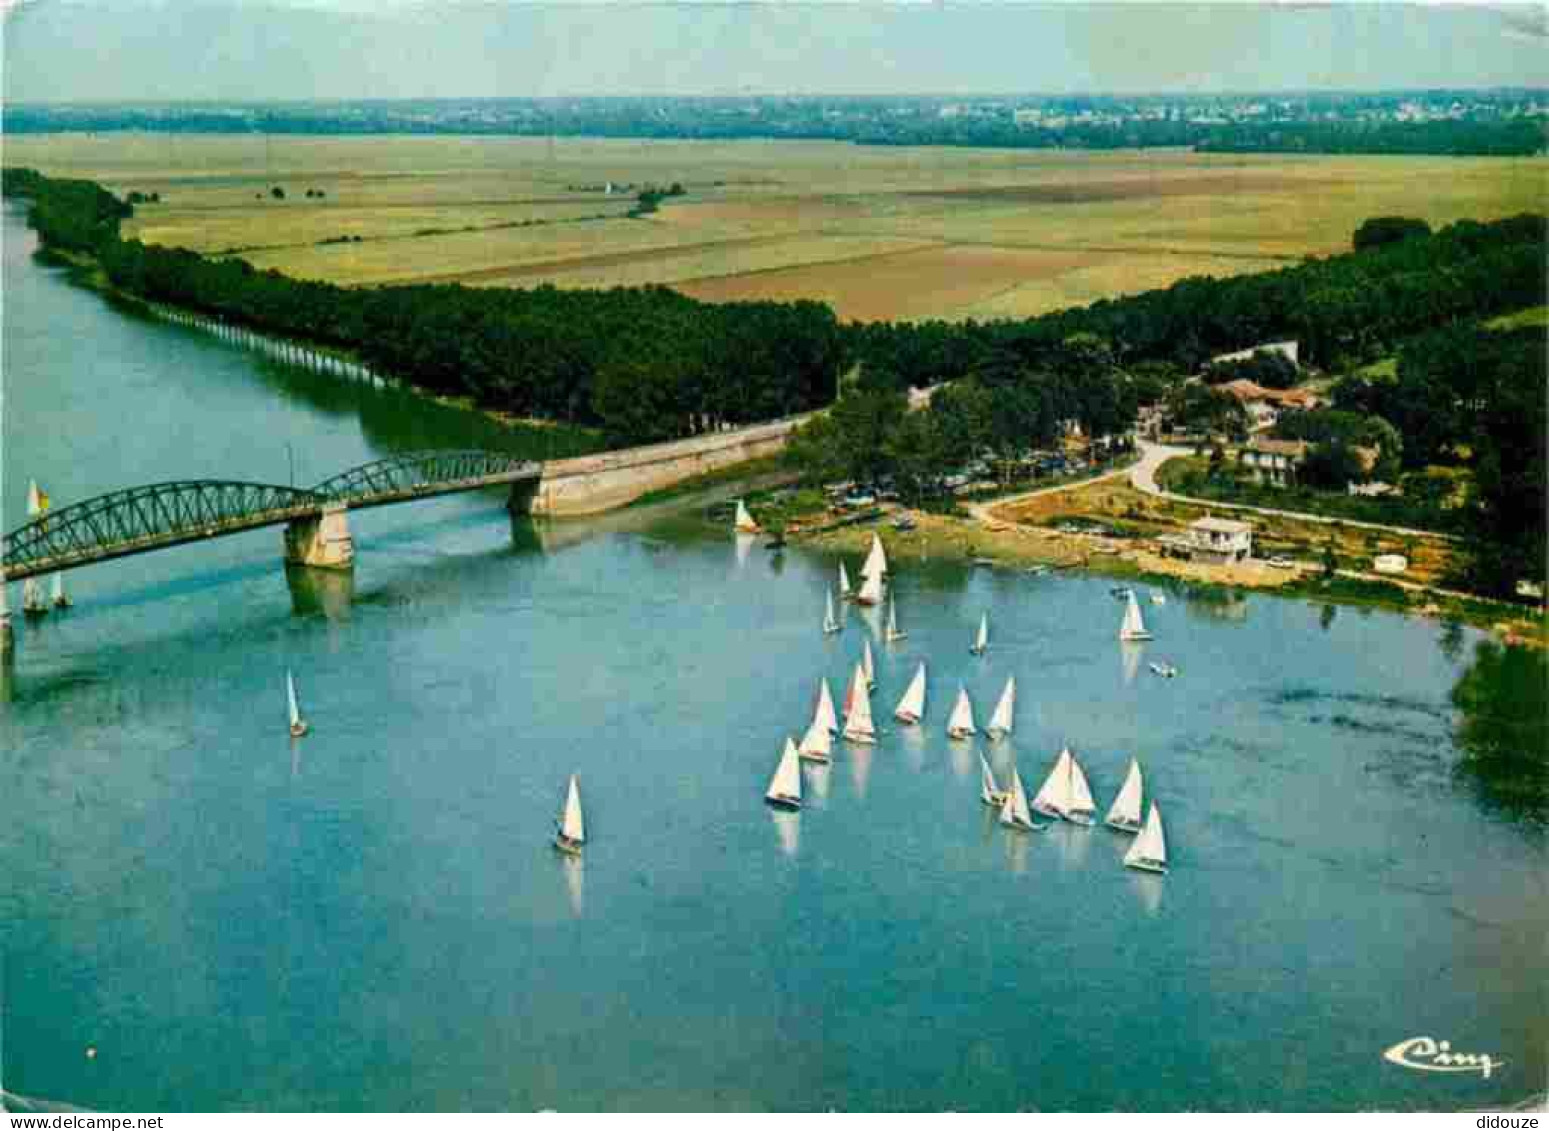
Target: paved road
[(1143, 478)]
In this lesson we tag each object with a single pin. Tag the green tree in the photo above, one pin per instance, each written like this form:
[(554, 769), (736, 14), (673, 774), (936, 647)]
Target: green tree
[(1381, 230)]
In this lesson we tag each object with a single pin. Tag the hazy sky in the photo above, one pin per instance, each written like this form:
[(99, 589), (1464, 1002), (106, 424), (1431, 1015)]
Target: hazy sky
[(84, 50)]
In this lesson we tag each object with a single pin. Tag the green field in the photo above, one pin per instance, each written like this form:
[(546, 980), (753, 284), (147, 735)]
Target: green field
[(879, 233)]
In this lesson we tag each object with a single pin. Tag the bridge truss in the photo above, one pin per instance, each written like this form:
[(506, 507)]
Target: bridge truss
[(157, 515)]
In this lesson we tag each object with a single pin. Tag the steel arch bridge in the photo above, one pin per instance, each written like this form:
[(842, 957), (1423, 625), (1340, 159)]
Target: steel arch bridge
[(142, 519)]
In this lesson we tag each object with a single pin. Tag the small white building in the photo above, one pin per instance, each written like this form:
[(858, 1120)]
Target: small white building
[(1220, 541)]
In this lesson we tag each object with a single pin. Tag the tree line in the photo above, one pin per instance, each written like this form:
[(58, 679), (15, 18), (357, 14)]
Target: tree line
[(1492, 126), (643, 363), (1344, 309)]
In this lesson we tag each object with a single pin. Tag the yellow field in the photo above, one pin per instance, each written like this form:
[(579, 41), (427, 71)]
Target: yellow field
[(876, 232)]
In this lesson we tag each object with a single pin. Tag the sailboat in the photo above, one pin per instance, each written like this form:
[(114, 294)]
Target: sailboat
[(825, 708), (876, 560), (844, 583), (989, 792), (571, 834), (1149, 852), (32, 588), (816, 744), (830, 622), (1133, 628), (1013, 811), (298, 725), (892, 633), (744, 523), (1124, 813), (1051, 794), (1065, 793), (961, 724), (61, 601), (785, 787), (911, 708), (871, 590), (858, 726), (982, 641), (1000, 721), (867, 666)]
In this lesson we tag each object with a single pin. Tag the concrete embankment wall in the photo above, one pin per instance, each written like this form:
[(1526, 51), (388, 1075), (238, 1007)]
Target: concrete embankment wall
[(589, 484)]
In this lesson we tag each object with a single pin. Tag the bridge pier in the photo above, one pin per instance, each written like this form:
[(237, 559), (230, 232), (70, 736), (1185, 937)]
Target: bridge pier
[(323, 542), (519, 501)]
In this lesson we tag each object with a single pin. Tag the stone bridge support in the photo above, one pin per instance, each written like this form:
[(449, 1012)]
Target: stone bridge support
[(323, 542)]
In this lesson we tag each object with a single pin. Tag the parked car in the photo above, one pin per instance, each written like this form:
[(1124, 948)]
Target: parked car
[(1281, 563), (860, 499)]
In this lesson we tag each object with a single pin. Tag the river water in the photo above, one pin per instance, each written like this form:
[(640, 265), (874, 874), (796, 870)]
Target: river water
[(201, 913)]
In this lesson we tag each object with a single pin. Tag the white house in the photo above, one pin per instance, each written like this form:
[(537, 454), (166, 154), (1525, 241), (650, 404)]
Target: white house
[(1220, 541)]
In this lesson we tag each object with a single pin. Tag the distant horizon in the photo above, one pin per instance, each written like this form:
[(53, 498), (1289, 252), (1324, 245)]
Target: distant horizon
[(925, 95)]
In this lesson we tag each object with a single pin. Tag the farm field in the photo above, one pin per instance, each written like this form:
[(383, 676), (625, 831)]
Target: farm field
[(877, 232)]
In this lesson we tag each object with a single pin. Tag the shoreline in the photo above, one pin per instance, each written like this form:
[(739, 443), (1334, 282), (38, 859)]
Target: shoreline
[(1018, 546), (86, 271)]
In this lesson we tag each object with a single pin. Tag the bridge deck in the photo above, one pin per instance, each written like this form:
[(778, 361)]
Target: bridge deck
[(145, 519)]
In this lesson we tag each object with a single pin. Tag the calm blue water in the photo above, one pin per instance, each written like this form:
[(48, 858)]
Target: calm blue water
[(371, 918)]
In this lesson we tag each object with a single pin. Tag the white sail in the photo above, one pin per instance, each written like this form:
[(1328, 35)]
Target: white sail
[(1150, 848), (911, 708), (1000, 721), (867, 665), (290, 694), (785, 786), (858, 726), (1125, 811), (571, 825), (60, 599), (893, 633), (1133, 628), (855, 690), (844, 582), (816, 745), (989, 792), (1052, 796), (744, 522), (871, 590), (32, 589), (830, 623), (961, 724), (825, 710), (1014, 812), (876, 560), (33, 600), (1079, 807), (982, 640)]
